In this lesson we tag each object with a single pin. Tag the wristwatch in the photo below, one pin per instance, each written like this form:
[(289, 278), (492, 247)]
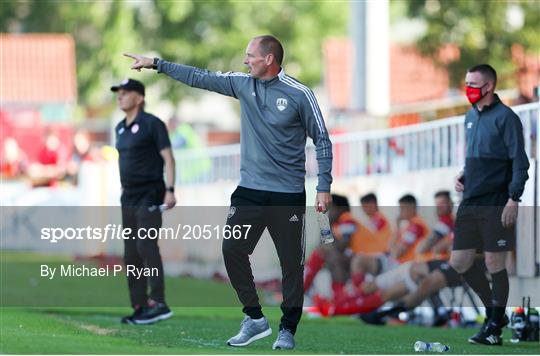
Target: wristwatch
[(515, 198), (155, 63), (170, 189)]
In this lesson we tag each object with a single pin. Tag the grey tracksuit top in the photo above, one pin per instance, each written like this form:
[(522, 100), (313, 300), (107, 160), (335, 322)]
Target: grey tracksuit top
[(495, 159), (277, 116)]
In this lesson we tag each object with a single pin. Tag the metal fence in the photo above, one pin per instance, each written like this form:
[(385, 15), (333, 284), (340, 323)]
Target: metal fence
[(435, 144)]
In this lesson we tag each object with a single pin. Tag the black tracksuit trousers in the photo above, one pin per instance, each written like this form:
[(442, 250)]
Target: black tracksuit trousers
[(140, 209), (283, 214)]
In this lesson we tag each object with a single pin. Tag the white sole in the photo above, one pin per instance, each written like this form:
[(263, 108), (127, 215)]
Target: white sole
[(281, 348), (265, 333), (479, 343), (154, 319)]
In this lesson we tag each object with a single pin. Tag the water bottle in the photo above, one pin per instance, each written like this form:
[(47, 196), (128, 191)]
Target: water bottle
[(518, 322), (421, 346), (533, 322), (324, 227)]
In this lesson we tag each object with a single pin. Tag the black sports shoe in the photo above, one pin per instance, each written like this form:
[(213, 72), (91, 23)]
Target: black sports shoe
[(129, 318), (379, 317), (152, 314), (441, 319), (490, 333), (373, 318)]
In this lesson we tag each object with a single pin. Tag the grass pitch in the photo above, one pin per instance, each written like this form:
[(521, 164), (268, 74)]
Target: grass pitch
[(194, 329)]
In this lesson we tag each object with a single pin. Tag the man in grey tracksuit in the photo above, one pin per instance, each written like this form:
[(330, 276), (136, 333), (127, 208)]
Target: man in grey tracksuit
[(278, 113)]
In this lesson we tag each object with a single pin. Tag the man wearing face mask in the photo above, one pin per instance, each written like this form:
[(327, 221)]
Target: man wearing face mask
[(492, 183)]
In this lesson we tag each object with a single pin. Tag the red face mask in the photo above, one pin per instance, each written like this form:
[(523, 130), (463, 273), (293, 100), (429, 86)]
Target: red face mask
[(474, 94)]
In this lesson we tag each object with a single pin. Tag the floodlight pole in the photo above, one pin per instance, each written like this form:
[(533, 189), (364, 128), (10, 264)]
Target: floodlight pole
[(370, 34)]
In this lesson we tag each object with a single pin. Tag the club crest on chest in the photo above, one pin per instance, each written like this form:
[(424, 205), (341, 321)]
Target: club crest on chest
[(281, 104)]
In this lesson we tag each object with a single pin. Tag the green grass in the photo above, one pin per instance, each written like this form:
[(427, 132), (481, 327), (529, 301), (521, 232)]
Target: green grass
[(194, 329), (204, 330), (23, 286)]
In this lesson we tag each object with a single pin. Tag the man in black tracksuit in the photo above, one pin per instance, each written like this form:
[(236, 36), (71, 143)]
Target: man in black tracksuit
[(144, 148), (492, 183)]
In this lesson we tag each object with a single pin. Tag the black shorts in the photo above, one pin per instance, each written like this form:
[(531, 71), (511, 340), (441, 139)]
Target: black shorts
[(479, 226), (453, 279)]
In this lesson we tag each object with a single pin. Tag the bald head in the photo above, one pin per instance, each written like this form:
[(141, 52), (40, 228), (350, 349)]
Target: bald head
[(268, 44), (264, 55)]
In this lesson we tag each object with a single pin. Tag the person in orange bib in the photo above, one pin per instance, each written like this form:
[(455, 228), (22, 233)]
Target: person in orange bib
[(373, 237), (411, 230), (439, 244)]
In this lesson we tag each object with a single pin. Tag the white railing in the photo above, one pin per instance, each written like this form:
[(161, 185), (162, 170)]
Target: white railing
[(427, 145)]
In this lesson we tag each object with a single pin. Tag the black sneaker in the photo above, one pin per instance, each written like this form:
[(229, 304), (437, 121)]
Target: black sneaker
[(490, 333), (440, 320), (129, 318), (373, 318), (152, 314)]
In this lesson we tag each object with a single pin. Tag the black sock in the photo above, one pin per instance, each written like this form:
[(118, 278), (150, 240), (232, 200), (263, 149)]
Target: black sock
[(253, 312), (500, 294), (477, 280), (436, 303)]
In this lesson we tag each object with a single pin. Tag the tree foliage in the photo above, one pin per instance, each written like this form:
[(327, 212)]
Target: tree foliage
[(210, 34), (483, 30)]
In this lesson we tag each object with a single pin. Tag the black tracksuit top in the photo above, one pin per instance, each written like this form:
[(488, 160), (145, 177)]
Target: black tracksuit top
[(495, 158)]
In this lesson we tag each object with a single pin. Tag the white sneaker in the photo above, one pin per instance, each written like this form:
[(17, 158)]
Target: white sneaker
[(284, 341), (250, 331)]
